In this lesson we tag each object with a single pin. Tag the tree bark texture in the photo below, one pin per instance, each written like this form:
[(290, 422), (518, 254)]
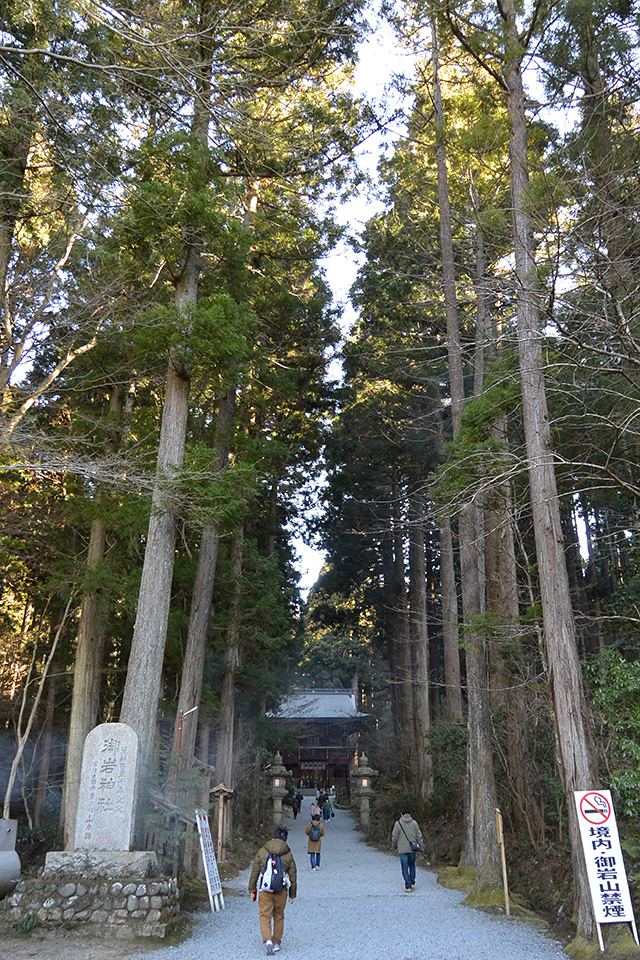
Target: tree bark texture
[(44, 766), (508, 683), (578, 768), (480, 809), (84, 706), (419, 646), (482, 799), (202, 601), (144, 673), (450, 629), (89, 658), (390, 601), (402, 635), (232, 662)]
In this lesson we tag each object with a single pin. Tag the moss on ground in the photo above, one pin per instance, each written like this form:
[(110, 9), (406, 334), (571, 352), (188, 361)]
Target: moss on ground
[(619, 945), (456, 878), (489, 899)]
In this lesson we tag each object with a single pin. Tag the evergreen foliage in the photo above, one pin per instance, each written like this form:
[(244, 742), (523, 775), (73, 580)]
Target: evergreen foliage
[(130, 138)]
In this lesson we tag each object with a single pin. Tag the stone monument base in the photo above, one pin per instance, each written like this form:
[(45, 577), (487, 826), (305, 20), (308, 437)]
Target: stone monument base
[(79, 889), (101, 863)]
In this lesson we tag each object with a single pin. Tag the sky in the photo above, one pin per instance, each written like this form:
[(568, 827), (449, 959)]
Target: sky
[(379, 59)]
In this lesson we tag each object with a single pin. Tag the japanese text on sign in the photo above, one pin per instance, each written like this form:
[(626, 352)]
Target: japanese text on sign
[(214, 883), (106, 790), (603, 856)]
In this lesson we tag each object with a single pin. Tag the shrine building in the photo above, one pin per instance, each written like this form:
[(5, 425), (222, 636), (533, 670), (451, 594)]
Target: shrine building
[(322, 728)]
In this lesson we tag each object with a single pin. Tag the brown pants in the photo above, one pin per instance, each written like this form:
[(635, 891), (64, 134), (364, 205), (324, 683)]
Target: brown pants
[(272, 907)]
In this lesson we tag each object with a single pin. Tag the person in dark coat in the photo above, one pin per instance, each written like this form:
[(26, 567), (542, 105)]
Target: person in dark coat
[(296, 804), (272, 905)]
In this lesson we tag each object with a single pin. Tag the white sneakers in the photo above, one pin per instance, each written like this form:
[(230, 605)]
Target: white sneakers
[(269, 946), (276, 947)]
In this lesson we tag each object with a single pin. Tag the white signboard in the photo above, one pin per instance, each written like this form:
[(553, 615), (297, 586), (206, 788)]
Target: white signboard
[(214, 884), (603, 855)]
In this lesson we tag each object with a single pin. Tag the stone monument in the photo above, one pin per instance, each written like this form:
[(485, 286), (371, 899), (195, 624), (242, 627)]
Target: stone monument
[(106, 803), (106, 807), (102, 883)]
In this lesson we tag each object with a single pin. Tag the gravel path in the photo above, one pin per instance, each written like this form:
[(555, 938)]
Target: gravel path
[(355, 908)]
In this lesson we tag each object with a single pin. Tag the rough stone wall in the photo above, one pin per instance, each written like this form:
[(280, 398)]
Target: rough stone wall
[(123, 908)]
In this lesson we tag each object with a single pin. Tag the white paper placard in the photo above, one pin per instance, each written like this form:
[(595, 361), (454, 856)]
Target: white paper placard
[(214, 884), (603, 856)]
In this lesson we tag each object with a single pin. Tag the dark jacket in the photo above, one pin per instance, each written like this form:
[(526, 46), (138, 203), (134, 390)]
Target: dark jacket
[(280, 848), (405, 825)]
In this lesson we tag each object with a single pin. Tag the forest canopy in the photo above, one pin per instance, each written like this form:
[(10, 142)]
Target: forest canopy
[(171, 177)]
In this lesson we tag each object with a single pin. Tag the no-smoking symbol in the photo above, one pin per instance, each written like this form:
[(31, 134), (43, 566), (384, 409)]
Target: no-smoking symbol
[(595, 808)]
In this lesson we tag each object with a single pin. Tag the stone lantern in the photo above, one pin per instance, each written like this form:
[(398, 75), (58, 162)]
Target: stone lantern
[(364, 775), (278, 774)]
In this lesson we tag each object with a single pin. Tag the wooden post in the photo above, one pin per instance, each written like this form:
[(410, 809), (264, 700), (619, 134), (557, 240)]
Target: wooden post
[(221, 802), (504, 861), (222, 793)]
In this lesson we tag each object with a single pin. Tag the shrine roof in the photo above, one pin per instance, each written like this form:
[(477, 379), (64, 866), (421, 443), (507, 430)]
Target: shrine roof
[(318, 705)]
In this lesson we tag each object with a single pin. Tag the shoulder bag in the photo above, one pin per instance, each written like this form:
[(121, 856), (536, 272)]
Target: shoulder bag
[(415, 846)]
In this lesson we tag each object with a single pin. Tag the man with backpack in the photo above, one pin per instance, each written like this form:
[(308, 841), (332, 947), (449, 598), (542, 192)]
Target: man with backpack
[(274, 877), (407, 840), (296, 804), (315, 831)]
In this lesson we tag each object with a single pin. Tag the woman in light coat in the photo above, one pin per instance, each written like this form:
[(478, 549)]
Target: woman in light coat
[(314, 846)]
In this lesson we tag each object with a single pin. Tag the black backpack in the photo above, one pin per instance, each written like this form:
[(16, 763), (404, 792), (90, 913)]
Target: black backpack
[(314, 832), (272, 874)]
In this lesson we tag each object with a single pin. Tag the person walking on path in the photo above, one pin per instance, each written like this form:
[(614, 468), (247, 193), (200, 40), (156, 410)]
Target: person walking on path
[(271, 902), (354, 908), (315, 831), (407, 840)]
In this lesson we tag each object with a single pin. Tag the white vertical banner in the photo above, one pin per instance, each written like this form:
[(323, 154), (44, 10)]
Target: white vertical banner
[(214, 884), (603, 856)]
